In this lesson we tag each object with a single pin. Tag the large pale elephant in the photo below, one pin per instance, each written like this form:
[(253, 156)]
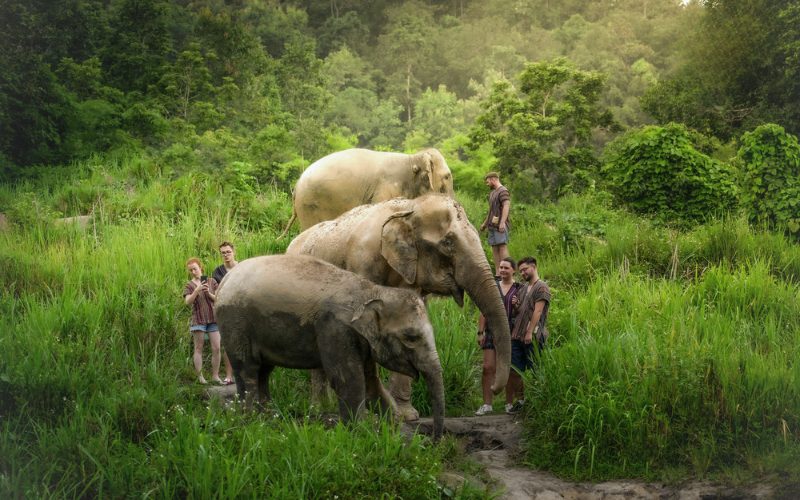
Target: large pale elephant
[(426, 244), (340, 181), (297, 311)]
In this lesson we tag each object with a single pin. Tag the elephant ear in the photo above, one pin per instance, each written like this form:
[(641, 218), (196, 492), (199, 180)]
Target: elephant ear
[(364, 319), (423, 166), (398, 246), (427, 161)]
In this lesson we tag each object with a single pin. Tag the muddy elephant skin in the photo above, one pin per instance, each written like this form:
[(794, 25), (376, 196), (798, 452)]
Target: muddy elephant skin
[(300, 312)]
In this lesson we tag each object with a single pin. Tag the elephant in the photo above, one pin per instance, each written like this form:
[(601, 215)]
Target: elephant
[(426, 244), (297, 311), (346, 179)]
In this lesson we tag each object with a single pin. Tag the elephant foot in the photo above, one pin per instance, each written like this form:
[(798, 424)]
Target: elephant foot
[(400, 389), (407, 413)]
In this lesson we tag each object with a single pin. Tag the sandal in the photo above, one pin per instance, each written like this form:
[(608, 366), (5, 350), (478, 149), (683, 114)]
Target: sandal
[(227, 381)]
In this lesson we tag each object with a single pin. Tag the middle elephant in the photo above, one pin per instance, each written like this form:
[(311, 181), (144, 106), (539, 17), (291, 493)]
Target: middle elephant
[(426, 244)]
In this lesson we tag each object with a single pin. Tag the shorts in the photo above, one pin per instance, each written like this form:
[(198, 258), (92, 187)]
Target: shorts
[(207, 328), (498, 238), (522, 354), (488, 341)]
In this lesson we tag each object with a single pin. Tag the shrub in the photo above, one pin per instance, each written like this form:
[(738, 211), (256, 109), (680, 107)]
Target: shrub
[(659, 171), (770, 163)]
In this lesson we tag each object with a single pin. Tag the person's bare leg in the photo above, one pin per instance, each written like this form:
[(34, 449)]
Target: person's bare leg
[(197, 357), (487, 376), (213, 337), (496, 258), (502, 251)]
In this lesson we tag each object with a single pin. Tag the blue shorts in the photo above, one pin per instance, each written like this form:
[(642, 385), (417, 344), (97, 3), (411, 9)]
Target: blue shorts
[(497, 238), (522, 354), (207, 328)]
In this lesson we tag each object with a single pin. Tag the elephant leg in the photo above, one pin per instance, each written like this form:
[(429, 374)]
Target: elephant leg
[(400, 388), (320, 388), (263, 383), (377, 392), (350, 387)]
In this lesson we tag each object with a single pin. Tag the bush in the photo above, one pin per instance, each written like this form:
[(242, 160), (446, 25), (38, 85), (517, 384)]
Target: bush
[(770, 163), (659, 171)]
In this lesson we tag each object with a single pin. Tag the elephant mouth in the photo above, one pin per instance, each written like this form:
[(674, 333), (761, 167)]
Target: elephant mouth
[(458, 295)]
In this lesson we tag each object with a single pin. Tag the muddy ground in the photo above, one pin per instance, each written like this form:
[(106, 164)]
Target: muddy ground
[(494, 441)]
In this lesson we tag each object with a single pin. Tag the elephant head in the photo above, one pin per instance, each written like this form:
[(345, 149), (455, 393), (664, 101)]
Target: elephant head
[(432, 246), (398, 330), (426, 244), (432, 173)]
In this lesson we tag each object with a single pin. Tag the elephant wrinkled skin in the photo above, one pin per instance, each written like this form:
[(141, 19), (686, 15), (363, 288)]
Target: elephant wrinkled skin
[(426, 244), (346, 179), (297, 311)]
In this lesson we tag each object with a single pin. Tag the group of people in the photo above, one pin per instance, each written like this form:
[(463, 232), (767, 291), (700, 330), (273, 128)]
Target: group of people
[(200, 294), (526, 304)]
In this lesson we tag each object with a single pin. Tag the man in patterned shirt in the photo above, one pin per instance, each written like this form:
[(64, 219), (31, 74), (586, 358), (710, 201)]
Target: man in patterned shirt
[(530, 328)]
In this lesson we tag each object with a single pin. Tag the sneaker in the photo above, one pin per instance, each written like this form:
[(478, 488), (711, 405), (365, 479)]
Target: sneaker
[(483, 410), (516, 407), (508, 407)]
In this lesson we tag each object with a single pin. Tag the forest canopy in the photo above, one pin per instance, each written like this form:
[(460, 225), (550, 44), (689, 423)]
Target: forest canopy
[(538, 87)]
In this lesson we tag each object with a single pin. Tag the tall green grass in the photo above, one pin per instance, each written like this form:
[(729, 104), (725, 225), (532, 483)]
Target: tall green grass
[(672, 354)]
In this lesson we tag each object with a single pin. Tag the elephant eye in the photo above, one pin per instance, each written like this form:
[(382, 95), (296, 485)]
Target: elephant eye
[(411, 336)]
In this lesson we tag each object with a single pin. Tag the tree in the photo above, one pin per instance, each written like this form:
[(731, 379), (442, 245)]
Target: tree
[(406, 44), (740, 71), (658, 171), (541, 127), (770, 163)]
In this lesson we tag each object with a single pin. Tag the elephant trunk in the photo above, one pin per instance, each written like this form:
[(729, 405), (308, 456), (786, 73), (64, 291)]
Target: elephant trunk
[(435, 383), (482, 289)]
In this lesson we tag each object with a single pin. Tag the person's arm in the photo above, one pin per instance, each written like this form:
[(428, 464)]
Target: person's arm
[(538, 308), (504, 216), (189, 298), (212, 289)]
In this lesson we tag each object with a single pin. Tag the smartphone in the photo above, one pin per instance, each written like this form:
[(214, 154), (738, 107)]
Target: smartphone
[(203, 278)]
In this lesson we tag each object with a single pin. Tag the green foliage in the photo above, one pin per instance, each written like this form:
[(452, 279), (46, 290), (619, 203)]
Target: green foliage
[(96, 379), (541, 128), (770, 164), (659, 172)]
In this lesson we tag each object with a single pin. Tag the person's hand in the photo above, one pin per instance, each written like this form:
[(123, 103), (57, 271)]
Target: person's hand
[(514, 300), (204, 287), (481, 339), (528, 338), (483, 227), (501, 228)]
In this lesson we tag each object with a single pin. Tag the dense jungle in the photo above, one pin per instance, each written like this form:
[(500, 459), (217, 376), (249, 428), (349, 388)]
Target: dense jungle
[(651, 152)]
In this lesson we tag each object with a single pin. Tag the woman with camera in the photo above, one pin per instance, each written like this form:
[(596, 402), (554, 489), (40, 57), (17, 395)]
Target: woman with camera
[(200, 293)]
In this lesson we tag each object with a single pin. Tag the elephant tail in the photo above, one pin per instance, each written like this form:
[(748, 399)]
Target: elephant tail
[(288, 225), (291, 219)]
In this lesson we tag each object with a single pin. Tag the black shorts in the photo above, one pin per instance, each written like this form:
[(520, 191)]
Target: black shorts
[(522, 354), (488, 341)]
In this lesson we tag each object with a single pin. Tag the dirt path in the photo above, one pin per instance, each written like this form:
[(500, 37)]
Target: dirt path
[(493, 440)]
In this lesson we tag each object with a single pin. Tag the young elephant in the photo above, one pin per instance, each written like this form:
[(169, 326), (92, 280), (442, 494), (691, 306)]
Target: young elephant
[(301, 312)]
